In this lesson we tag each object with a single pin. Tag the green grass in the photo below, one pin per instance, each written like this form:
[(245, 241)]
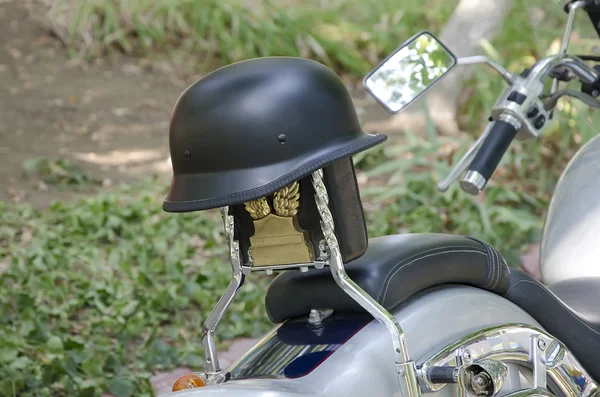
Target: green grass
[(59, 172), (347, 35), (96, 295)]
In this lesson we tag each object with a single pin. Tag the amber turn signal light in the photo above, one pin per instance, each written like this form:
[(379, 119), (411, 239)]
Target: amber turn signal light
[(189, 381)]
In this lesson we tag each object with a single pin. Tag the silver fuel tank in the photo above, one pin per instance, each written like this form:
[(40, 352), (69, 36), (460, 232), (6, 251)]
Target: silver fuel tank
[(571, 239)]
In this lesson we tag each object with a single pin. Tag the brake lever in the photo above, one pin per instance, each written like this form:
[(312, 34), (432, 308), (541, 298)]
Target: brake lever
[(464, 162), (586, 98)]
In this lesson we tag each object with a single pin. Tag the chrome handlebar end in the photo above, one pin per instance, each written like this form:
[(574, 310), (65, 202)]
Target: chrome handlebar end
[(473, 183)]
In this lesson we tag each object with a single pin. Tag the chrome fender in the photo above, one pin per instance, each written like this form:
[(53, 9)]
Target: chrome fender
[(364, 365)]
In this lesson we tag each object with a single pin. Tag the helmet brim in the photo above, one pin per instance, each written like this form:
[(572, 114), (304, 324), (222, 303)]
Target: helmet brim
[(196, 192)]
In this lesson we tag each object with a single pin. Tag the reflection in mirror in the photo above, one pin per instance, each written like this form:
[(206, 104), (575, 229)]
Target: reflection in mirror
[(411, 70)]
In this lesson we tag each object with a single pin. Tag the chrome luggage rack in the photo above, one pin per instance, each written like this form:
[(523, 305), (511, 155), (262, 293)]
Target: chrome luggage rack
[(487, 350), (331, 257)]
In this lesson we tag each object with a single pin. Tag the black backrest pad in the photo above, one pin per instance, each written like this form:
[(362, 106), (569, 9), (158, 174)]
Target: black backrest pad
[(346, 208)]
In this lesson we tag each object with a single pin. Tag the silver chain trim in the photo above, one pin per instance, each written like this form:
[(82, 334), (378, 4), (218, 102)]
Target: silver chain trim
[(322, 201), (234, 245)]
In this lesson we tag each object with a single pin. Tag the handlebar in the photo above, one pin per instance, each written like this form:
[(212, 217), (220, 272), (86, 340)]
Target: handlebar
[(487, 159), (525, 107), (522, 109)]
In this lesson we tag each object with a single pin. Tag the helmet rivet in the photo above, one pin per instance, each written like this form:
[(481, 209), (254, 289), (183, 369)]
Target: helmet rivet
[(187, 154), (282, 138)]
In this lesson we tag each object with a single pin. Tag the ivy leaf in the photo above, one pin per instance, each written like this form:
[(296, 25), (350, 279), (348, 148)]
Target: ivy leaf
[(112, 364), (8, 354), (54, 345), (130, 308), (87, 392), (92, 367), (20, 363), (120, 387)]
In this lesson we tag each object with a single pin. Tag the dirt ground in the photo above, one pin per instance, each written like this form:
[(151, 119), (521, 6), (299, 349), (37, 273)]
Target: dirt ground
[(111, 117)]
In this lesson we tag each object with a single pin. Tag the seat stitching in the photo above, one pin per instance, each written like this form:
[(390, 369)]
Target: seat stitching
[(492, 263), (423, 257), (495, 273), (499, 264), (496, 265), (421, 254), (502, 265), (558, 300)]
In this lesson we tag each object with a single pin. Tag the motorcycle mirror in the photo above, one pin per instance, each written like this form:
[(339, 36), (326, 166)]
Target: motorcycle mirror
[(409, 71)]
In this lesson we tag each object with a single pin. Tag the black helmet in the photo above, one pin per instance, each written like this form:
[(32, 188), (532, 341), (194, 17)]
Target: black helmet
[(251, 128)]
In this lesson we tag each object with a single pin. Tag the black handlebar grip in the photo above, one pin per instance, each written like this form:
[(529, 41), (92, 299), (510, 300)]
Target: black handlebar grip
[(485, 162), (442, 375)]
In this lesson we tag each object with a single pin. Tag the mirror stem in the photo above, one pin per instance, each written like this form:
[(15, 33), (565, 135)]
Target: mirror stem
[(506, 75), (564, 45)]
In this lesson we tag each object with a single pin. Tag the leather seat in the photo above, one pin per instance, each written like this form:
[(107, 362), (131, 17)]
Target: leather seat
[(393, 269), (572, 316), (396, 267)]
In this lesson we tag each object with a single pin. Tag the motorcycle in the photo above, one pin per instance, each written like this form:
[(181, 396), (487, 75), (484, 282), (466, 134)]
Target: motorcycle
[(450, 317)]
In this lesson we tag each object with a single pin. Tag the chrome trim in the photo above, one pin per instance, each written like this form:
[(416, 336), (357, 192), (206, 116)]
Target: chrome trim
[(248, 267), (405, 368), (578, 67), (208, 329), (532, 88), (537, 357), (569, 28), (508, 110), (477, 59), (542, 69), (512, 120), (491, 375), (473, 183), (564, 45), (530, 393), (514, 343), (317, 316), (585, 74)]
